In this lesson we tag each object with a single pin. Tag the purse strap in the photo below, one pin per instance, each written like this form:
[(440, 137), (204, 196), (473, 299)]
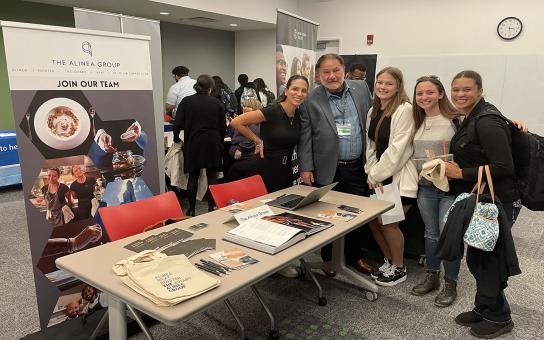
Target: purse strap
[(490, 183), (479, 186)]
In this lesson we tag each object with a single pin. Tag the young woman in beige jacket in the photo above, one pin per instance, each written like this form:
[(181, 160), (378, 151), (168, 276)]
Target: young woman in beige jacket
[(390, 127)]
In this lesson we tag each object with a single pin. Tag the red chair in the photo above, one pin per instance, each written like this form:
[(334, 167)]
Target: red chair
[(240, 190), (129, 219)]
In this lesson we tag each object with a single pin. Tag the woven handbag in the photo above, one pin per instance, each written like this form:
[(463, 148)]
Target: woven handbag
[(483, 230)]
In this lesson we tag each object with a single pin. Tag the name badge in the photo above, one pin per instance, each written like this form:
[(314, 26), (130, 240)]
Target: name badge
[(343, 129)]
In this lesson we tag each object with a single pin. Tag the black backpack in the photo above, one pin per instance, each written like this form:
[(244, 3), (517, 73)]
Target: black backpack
[(528, 156), (229, 100)]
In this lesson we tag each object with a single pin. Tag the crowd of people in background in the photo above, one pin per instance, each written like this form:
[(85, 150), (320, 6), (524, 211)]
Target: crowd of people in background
[(343, 133)]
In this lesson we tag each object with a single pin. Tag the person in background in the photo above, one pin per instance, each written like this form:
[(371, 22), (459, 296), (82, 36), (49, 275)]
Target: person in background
[(356, 72), (281, 70), (91, 300), (181, 89), (306, 67), (245, 86), (280, 130), (316, 78), (242, 149), (56, 195), (389, 151), (263, 93), (436, 121), (332, 146), (202, 117), (83, 190), (222, 92), (488, 142), (296, 66), (72, 309)]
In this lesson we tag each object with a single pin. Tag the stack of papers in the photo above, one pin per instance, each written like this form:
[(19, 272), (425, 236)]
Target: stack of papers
[(158, 241), (190, 247)]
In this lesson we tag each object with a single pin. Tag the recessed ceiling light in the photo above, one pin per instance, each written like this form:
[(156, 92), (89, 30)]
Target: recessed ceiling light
[(164, 13), (233, 25)]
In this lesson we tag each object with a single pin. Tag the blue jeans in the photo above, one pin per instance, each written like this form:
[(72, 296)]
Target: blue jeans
[(433, 204)]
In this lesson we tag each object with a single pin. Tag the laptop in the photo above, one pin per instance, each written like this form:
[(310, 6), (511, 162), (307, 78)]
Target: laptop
[(294, 201)]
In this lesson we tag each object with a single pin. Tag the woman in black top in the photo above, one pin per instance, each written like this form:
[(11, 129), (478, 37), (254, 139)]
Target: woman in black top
[(488, 144), (83, 188), (280, 130), (263, 93), (202, 118)]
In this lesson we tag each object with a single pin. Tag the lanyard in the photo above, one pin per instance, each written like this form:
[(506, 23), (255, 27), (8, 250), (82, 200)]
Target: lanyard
[(341, 105)]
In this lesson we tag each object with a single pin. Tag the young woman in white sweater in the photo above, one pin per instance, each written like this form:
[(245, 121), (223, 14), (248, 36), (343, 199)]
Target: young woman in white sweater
[(388, 160), (436, 120)]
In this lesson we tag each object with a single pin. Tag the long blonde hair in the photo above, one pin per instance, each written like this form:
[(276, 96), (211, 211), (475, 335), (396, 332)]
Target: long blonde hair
[(399, 98), (444, 105)]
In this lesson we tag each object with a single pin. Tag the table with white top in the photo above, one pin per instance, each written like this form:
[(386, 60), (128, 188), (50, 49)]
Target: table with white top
[(94, 266)]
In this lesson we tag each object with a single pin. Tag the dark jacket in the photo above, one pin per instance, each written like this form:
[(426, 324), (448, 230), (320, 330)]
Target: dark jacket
[(491, 269), (481, 141), (242, 143), (238, 93), (202, 118)]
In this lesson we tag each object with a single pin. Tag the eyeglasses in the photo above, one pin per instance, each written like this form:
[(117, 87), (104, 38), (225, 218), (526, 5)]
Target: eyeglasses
[(281, 62)]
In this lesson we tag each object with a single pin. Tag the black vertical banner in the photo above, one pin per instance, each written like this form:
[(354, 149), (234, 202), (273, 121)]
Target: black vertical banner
[(86, 139), (296, 43)]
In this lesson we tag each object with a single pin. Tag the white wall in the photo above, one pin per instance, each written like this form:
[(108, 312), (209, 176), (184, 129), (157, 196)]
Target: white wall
[(424, 37), (202, 50), (255, 53), (259, 10), (420, 27)]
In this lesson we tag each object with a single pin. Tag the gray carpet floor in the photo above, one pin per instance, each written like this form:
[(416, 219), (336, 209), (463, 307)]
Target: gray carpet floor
[(348, 315)]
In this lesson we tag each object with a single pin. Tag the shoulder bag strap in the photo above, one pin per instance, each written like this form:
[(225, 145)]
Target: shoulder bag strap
[(478, 187), (490, 183)]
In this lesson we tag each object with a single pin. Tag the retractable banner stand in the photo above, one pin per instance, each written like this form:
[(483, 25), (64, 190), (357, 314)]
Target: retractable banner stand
[(296, 43), (83, 106)]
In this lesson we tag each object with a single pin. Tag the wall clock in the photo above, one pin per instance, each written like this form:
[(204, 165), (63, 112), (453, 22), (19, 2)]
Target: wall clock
[(509, 28)]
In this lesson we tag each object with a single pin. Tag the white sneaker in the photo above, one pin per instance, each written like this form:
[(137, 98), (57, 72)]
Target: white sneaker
[(377, 272), (290, 271), (392, 277)]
